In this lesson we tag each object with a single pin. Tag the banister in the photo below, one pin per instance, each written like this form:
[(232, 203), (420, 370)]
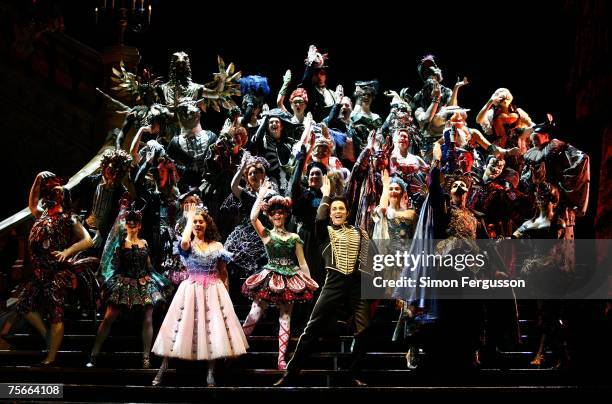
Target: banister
[(91, 167)]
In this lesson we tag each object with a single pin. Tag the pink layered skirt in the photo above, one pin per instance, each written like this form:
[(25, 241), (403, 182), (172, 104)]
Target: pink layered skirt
[(273, 287), (201, 323)]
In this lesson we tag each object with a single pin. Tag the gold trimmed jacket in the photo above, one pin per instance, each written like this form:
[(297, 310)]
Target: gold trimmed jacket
[(343, 248)]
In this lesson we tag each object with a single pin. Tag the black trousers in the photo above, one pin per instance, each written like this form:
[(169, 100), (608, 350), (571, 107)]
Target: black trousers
[(338, 289)]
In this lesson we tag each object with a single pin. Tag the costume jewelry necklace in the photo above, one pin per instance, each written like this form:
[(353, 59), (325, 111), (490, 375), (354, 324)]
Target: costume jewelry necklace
[(280, 232)]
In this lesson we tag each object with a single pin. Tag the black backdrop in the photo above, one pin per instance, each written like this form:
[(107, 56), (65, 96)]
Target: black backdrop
[(525, 46)]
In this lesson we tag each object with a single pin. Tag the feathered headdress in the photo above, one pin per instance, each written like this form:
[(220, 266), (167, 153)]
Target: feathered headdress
[(255, 85)]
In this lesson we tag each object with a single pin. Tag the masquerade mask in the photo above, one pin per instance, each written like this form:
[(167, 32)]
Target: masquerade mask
[(459, 188)]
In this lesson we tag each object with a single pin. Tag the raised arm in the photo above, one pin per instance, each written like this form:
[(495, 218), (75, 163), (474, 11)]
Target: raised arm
[(259, 228), (360, 170), (482, 115), (135, 146), (35, 192), (384, 198), (295, 186), (236, 188), (306, 141), (309, 70), (282, 93), (323, 209), (424, 118), (322, 218), (190, 213), (256, 141), (458, 85), (334, 112)]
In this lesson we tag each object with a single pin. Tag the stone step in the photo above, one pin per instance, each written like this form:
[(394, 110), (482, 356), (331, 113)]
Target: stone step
[(251, 360), (265, 343), (232, 376), (266, 326)]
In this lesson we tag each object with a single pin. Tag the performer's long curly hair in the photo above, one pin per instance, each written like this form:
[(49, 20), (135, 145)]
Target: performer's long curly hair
[(211, 233)]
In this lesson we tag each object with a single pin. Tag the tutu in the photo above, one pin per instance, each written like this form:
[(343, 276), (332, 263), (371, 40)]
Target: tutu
[(273, 287), (280, 280), (133, 283), (135, 292)]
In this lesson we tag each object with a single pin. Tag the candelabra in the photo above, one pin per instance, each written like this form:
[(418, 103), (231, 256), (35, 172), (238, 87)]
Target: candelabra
[(122, 15)]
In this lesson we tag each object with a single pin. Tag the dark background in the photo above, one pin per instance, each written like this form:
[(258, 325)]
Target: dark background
[(528, 47), (525, 46)]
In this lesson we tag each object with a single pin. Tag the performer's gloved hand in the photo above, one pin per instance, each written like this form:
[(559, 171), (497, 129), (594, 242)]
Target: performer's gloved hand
[(461, 83), (287, 78), (339, 93), (312, 55)]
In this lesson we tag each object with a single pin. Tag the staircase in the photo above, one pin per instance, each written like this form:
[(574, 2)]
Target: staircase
[(119, 376)]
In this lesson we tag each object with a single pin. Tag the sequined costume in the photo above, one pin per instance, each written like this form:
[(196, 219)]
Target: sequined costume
[(134, 283), (47, 292), (280, 280), (201, 323)]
